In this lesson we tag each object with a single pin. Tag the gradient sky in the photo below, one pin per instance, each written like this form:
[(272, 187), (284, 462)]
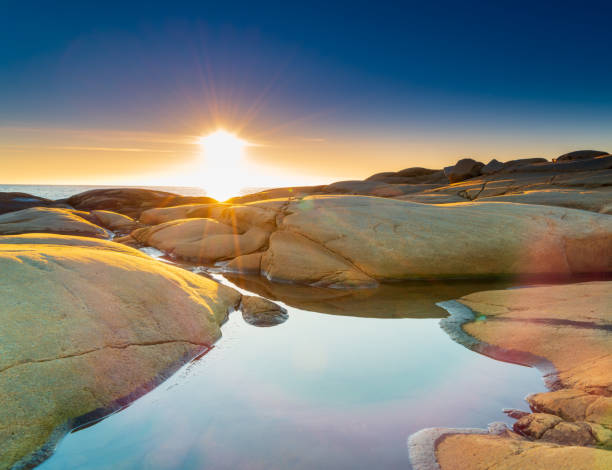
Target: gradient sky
[(119, 92)]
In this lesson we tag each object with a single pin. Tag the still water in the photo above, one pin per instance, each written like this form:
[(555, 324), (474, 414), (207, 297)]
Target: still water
[(340, 385)]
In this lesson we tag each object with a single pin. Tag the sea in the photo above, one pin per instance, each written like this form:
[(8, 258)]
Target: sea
[(52, 191)]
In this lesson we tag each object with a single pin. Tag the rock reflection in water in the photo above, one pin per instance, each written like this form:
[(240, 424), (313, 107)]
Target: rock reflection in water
[(415, 299)]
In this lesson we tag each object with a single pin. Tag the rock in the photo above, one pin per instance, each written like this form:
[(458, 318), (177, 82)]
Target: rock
[(492, 167), (357, 239), (414, 175), (595, 200), (293, 257), (258, 311), (514, 413), (202, 240), (11, 202), (245, 264), (130, 201), (50, 220), (534, 425), (479, 452), (568, 325), (166, 214), (580, 155), (570, 434), (540, 319), (523, 164), (116, 222), (579, 404), (88, 326), (462, 170), (240, 217)]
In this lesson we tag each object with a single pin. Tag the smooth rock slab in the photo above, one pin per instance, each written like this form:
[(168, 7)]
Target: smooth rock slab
[(87, 326), (355, 239)]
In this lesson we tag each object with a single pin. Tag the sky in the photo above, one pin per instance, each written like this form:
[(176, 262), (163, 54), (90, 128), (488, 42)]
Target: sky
[(122, 92)]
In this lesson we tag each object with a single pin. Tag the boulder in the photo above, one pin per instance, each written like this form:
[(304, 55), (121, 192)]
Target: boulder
[(258, 311), (415, 175), (492, 167), (202, 240), (119, 223), (130, 201), (11, 202), (580, 155), (240, 217), (462, 170), (88, 326), (336, 239), (50, 220)]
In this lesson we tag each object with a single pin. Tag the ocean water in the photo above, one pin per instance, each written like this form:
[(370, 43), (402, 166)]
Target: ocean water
[(50, 191)]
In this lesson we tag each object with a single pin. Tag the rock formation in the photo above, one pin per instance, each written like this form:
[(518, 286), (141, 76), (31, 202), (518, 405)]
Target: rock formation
[(569, 326), (87, 326)]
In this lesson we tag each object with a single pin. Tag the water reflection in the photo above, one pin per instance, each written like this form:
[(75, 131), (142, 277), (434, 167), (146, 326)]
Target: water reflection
[(414, 299), (319, 391)]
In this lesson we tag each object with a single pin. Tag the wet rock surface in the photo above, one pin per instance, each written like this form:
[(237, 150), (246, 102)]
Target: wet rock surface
[(258, 311)]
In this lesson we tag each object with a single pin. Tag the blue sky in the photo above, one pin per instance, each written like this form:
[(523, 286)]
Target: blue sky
[(481, 78)]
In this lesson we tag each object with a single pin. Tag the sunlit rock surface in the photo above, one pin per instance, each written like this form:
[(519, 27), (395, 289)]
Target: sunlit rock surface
[(570, 326), (577, 171), (87, 326), (354, 241), (118, 223), (50, 220)]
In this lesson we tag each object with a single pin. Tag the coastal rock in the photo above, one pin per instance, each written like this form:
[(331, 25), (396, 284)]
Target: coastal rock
[(391, 239), (464, 169), (11, 202), (245, 264), (202, 240), (88, 326), (293, 257), (50, 220), (258, 311), (130, 201), (479, 452), (581, 155), (116, 222), (492, 167), (240, 217), (570, 326)]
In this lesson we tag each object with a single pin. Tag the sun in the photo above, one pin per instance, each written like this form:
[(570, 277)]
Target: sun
[(223, 146), (224, 163)]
